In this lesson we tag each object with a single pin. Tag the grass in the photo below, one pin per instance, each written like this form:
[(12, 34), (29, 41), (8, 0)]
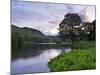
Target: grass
[(83, 44), (83, 57)]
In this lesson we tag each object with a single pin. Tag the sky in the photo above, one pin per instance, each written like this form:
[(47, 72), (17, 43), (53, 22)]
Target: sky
[(46, 17)]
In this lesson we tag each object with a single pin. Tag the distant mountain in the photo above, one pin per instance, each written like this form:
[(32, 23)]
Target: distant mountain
[(54, 38), (29, 34)]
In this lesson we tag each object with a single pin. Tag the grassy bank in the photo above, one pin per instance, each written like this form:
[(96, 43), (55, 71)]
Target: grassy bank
[(83, 57), (83, 44)]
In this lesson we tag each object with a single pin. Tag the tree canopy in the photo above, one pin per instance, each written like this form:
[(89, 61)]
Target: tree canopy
[(73, 28), (69, 24)]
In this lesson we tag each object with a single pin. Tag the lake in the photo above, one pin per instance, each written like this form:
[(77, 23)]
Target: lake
[(35, 60)]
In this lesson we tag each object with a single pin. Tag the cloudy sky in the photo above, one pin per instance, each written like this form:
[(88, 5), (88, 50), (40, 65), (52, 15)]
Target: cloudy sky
[(47, 16)]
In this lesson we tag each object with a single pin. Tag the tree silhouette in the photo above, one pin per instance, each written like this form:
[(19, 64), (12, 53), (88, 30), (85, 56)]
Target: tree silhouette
[(69, 26)]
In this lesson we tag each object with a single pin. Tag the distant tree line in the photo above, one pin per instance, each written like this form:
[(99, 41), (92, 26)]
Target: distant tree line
[(17, 40)]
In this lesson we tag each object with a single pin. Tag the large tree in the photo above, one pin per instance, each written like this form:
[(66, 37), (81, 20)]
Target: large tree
[(91, 31), (69, 27), (88, 30)]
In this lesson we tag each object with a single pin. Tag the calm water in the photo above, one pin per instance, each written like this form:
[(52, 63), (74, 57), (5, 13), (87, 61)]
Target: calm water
[(29, 61)]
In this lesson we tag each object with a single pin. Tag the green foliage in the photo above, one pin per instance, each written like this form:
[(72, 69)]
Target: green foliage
[(92, 31), (83, 44), (16, 40), (88, 30), (83, 57), (80, 59)]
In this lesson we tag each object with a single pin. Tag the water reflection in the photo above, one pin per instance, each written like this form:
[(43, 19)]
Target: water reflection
[(37, 63)]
